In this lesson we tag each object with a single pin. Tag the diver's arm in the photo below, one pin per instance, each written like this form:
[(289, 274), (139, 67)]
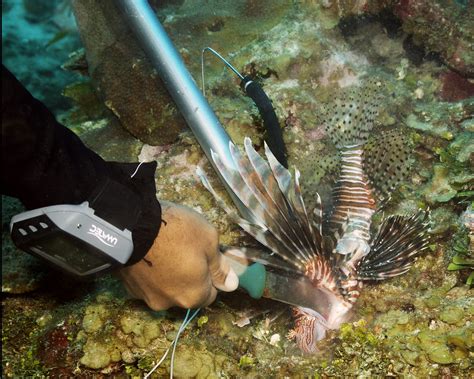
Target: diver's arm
[(44, 163)]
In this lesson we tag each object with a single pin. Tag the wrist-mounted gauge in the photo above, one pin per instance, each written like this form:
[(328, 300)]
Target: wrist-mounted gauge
[(82, 239)]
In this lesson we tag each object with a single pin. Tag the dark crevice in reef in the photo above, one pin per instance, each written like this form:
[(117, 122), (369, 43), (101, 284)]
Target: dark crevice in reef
[(417, 54)]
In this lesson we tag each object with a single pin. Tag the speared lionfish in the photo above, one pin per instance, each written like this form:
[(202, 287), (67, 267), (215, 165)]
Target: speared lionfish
[(340, 257)]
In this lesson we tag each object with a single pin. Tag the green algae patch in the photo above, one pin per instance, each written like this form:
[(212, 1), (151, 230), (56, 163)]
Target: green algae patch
[(94, 318), (440, 131), (125, 336), (440, 353), (443, 220), (20, 334), (460, 249), (246, 361), (87, 104), (439, 190), (453, 176), (98, 355), (452, 315)]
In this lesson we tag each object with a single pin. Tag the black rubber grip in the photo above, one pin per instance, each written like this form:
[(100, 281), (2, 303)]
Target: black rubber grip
[(264, 104)]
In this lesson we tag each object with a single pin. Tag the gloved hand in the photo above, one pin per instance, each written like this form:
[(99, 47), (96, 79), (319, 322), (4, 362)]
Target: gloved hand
[(183, 267)]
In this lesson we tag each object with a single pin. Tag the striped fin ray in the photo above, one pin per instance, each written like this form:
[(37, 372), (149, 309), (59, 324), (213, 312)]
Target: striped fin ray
[(272, 215), (234, 180), (270, 260), (260, 233), (283, 204), (293, 196), (263, 231), (297, 210), (280, 217), (278, 186), (317, 220), (313, 234), (205, 182), (281, 221), (399, 240)]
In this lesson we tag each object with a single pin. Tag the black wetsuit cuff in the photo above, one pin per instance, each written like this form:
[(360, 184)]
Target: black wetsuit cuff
[(131, 203)]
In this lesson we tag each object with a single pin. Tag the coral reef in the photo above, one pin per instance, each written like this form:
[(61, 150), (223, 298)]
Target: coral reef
[(418, 325), (139, 99), (462, 246)]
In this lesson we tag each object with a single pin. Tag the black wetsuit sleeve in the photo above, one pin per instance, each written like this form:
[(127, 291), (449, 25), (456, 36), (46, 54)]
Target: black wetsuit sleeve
[(44, 163)]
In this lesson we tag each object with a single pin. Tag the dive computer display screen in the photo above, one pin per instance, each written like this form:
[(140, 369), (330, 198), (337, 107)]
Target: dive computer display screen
[(69, 252)]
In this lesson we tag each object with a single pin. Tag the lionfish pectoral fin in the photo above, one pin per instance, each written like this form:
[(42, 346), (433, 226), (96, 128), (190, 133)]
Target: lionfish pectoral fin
[(399, 240), (387, 162), (359, 103), (257, 231)]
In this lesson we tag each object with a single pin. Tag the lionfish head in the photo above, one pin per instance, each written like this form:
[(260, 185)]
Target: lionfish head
[(311, 327)]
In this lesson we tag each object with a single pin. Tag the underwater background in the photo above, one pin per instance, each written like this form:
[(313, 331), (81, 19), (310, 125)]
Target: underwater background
[(79, 59)]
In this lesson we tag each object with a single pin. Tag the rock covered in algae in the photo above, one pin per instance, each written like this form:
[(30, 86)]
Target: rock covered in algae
[(444, 27), (454, 176), (192, 363), (439, 190), (434, 329), (21, 273), (126, 82), (87, 105), (94, 318), (112, 336), (99, 355)]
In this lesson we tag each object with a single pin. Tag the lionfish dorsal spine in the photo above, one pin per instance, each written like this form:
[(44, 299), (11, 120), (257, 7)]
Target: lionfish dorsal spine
[(275, 200), (272, 176)]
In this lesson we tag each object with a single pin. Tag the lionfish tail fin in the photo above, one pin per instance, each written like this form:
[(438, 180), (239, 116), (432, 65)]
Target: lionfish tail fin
[(387, 162), (350, 117), (398, 242)]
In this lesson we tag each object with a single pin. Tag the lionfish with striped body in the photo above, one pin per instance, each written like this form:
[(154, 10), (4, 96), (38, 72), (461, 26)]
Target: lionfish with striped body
[(338, 256)]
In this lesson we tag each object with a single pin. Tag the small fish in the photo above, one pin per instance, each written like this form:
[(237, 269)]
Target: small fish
[(338, 256)]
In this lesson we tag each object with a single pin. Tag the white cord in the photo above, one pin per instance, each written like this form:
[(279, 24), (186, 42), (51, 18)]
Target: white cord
[(222, 59), (174, 343), (183, 326), (136, 170)]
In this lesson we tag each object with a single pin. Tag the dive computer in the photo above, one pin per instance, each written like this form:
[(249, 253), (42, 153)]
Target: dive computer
[(72, 237)]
